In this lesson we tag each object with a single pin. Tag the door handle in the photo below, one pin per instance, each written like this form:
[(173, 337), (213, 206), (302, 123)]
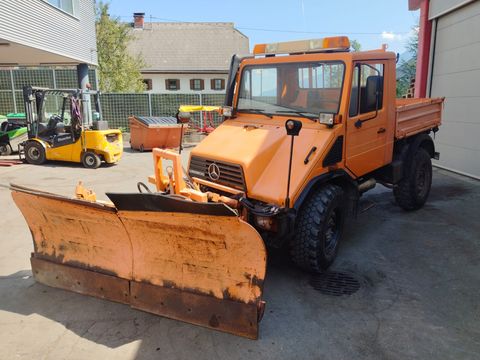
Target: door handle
[(381, 130)]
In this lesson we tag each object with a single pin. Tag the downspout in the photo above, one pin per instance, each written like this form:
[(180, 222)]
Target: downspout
[(424, 40)]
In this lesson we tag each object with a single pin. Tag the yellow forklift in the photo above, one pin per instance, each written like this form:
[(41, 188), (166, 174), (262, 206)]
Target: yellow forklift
[(66, 138)]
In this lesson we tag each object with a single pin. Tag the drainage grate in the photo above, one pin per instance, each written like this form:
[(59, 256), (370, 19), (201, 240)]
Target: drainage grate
[(335, 283)]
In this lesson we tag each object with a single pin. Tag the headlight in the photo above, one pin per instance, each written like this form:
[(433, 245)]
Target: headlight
[(326, 119)]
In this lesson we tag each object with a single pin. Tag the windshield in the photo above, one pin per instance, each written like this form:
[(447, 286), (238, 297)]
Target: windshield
[(289, 88)]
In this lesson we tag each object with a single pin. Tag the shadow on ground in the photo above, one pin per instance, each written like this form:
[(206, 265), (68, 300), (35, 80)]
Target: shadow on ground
[(417, 298)]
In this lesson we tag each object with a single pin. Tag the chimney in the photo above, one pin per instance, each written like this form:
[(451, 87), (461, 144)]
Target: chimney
[(138, 20)]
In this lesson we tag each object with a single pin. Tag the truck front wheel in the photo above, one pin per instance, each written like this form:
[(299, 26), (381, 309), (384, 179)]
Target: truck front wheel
[(412, 191), (319, 228)]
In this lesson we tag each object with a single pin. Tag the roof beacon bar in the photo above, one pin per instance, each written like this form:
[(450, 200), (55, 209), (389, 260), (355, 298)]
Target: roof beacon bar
[(337, 43)]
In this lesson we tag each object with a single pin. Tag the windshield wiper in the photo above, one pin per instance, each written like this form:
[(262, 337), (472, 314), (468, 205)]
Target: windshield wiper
[(256, 111), (301, 113)]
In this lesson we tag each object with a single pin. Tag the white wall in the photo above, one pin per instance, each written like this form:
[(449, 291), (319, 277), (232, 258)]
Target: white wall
[(37, 24), (439, 7), (456, 76), (158, 82)]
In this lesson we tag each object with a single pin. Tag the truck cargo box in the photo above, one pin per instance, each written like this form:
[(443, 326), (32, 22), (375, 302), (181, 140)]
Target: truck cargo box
[(416, 115)]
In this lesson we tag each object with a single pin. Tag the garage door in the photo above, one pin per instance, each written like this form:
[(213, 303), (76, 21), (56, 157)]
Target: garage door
[(456, 75)]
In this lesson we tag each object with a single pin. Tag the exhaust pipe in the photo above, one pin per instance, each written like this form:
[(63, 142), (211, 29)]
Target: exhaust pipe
[(367, 185)]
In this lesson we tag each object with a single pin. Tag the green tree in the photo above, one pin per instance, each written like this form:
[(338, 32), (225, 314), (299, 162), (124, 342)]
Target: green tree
[(118, 70), (355, 45), (407, 68)]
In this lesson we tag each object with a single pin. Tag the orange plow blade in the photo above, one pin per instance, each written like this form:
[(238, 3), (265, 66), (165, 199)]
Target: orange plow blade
[(195, 262)]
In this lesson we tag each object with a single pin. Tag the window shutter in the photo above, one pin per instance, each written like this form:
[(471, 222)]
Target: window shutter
[(223, 84), (202, 84), (178, 84), (192, 84), (212, 84), (166, 84)]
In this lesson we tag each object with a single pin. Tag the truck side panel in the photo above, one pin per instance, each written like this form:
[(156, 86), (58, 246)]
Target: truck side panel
[(416, 115)]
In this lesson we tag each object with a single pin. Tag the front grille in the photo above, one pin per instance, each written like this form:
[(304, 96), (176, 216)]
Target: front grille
[(230, 174)]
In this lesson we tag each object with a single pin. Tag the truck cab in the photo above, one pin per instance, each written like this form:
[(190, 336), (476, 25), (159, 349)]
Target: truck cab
[(344, 106)]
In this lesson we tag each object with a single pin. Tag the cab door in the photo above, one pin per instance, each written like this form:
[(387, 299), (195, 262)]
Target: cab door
[(366, 132)]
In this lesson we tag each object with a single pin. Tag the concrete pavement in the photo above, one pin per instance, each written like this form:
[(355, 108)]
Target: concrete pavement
[(419, 299)]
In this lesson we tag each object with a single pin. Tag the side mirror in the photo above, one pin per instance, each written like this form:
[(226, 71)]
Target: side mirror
[(183, 117)]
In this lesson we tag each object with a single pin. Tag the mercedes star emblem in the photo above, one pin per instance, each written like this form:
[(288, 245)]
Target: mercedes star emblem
[(213, 172)]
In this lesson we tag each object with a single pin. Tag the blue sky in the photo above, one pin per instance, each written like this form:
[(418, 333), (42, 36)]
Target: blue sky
[(372, 22)]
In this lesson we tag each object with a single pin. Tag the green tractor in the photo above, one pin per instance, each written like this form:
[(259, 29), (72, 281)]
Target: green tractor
[(13, 131)]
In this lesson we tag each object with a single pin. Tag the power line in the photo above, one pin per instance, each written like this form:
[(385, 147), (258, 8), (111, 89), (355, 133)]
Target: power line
[(284, 31), (315, 32)]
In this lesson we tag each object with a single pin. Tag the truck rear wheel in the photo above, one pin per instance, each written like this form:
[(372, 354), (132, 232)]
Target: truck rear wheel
[(319, 229), (412, 191), (34, 153)]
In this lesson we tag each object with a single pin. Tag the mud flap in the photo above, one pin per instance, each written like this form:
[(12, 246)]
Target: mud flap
[(188, 261)]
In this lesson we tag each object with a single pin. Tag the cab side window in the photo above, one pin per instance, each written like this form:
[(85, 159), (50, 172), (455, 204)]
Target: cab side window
[(367, 78)]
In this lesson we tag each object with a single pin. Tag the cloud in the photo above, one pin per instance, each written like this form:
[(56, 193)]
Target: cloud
[(389, 35)]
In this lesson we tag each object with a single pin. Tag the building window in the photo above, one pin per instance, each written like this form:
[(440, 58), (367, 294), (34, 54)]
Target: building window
[(69, 6), (172, 84), (148, 84), (196, 84), (217, 84)]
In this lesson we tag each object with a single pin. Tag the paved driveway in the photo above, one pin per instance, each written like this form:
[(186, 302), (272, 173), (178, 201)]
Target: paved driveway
[(419, 295)]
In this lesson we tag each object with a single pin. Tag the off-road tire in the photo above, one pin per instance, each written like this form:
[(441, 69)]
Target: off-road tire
[(34, 153), (90, 160), (412, 191), (313, 248), (5, 149)]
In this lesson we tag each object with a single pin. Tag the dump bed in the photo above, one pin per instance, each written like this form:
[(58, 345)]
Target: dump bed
[(416, 115)]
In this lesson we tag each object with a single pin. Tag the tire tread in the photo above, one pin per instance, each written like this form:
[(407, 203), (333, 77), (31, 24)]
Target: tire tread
[(405, 192), (305, 245)]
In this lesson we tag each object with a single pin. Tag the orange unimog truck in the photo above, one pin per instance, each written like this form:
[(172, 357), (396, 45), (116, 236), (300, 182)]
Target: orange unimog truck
[(350, 133), (305, 135)]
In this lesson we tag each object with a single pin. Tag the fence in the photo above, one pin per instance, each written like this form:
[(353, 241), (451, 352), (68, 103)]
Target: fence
[(116, 107)]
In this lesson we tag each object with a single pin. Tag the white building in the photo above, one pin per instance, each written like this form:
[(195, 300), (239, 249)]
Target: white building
[(186, 57), (449, 66), (47, 32)]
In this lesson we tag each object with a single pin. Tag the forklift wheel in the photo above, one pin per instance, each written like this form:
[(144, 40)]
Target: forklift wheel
[(91, 160), (5, 149), (34, 153)]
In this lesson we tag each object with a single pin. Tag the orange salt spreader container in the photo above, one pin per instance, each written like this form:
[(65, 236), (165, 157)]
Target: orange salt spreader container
[(148, 132)]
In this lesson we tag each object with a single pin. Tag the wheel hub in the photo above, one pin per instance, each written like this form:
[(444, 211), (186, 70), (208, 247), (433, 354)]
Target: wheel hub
[(89, 160), (422, 179), (33, 153), (331, 234)]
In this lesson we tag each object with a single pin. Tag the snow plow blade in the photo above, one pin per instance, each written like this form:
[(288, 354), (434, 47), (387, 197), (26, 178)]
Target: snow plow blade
[(194, 262)]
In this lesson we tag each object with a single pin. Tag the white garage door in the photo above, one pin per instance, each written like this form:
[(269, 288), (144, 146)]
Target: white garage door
[(456, 75)]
